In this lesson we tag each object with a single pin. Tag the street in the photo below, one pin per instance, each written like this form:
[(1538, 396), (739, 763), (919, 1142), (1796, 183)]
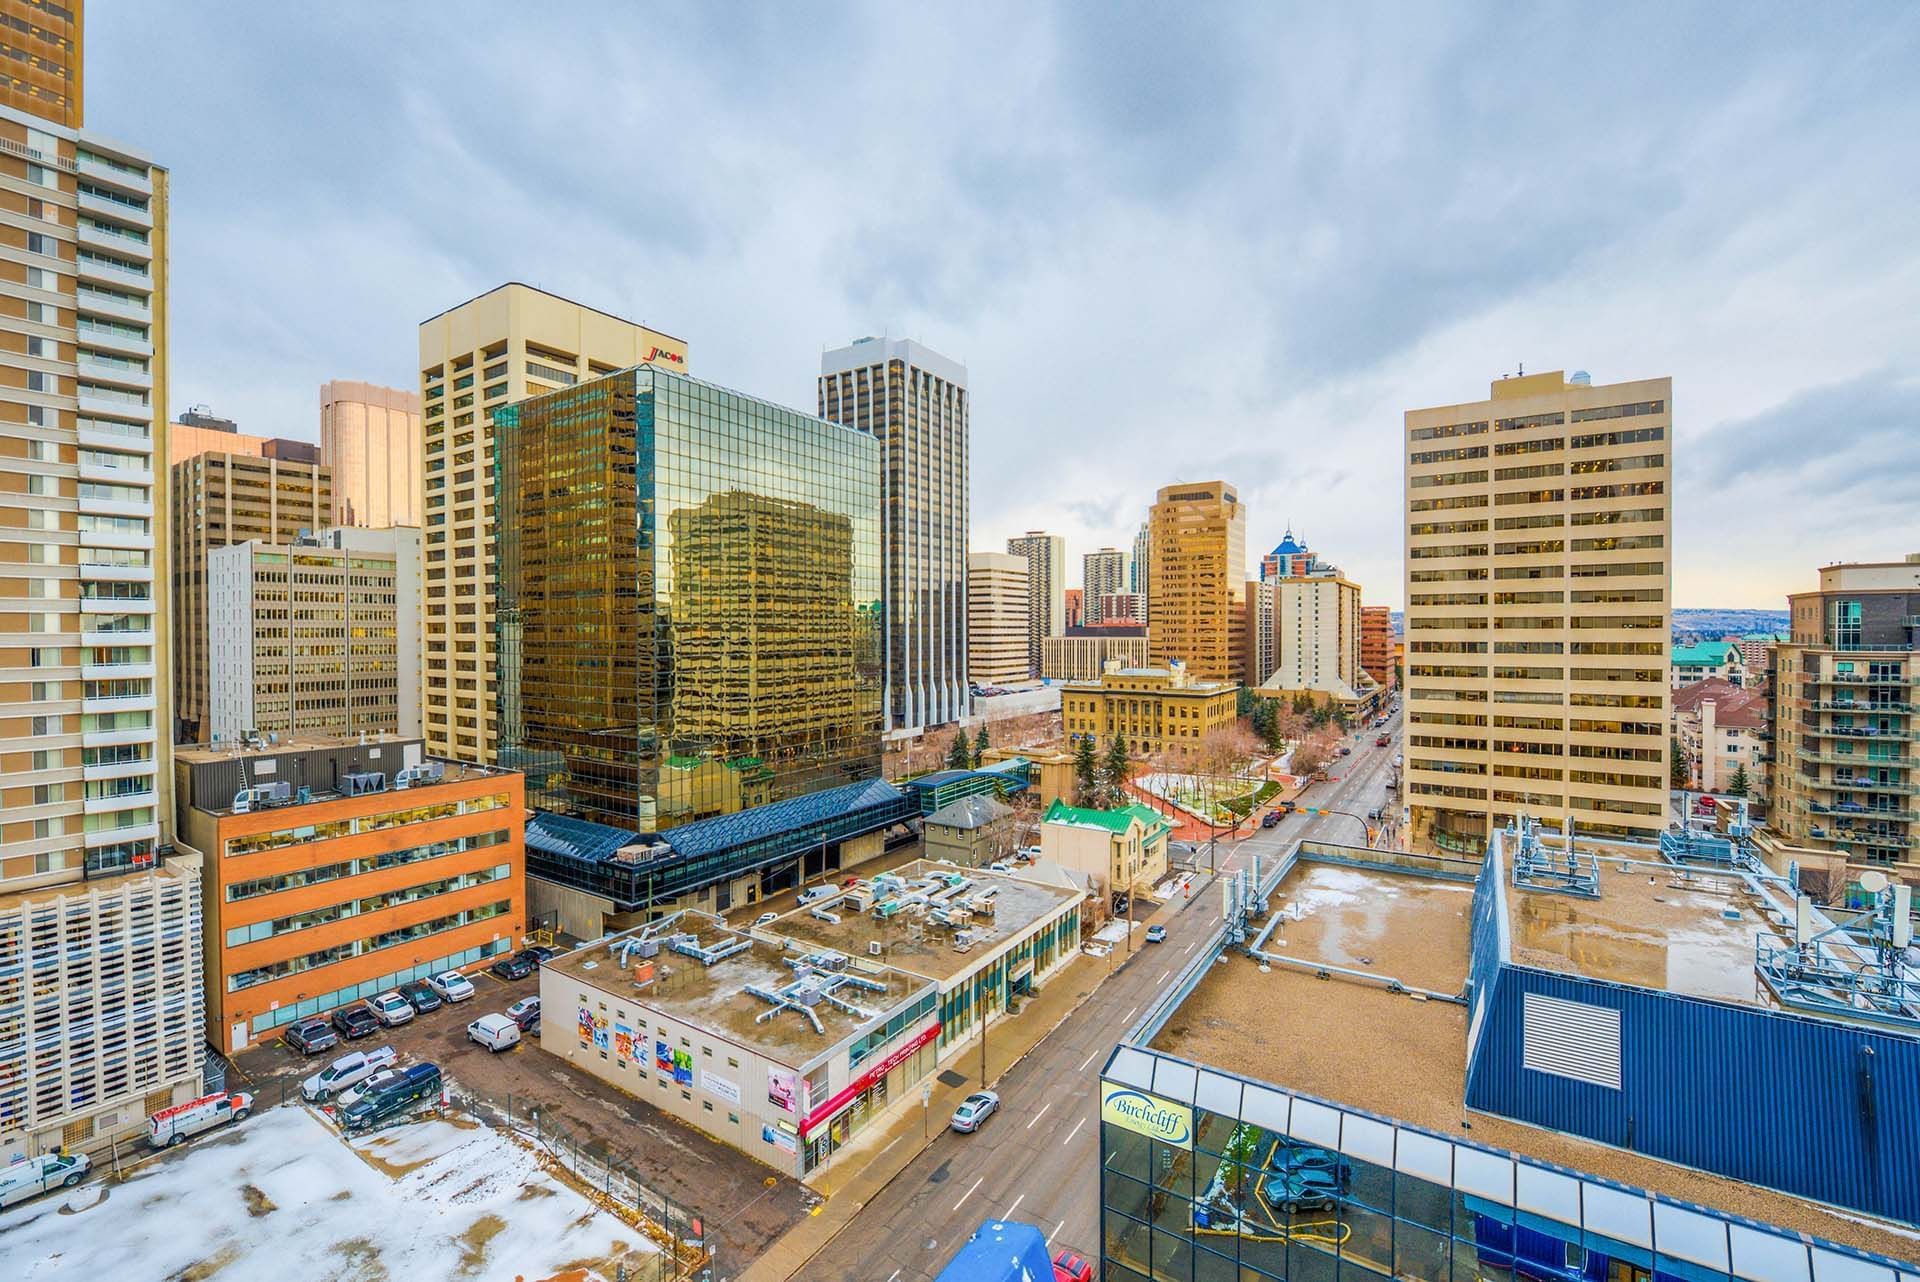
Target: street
[(1035, 1160)]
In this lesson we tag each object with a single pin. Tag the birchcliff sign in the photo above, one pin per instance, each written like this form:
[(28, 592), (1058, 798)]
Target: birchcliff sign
[(1148, 1115)]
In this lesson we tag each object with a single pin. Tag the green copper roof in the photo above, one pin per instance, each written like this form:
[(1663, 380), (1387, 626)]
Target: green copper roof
[(1707, 652), (1115, 821)]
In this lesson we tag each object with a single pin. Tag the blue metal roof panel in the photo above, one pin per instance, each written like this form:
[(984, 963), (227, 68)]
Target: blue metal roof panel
[(566, 837), (725, 832)]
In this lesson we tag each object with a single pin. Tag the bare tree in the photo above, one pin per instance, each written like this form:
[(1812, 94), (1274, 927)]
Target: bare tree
[(1312, 753)]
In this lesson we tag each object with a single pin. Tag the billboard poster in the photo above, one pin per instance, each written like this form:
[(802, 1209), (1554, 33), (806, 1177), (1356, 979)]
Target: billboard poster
[(720, 1088), (662, 1059), (683, 1067), (783, 1089), (602, 1035), (585, 1025), (622, 1043), (779, 1139)]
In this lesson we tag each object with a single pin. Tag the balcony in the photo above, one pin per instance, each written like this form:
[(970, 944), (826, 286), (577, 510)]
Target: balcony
[(116, 507), (117, 770), (108, 475), (92, 234), (1848, 705), (141, 214), (120, 703), (114, 372), (105, 605), (95, 400), (107, 435), (111, 340), (1854, 810), (127, 309), (1857, 732), (1854, 759), (116, 573), (111, 176), (144, 637), (1855, 785), (118, 277), (114, 836), (107, 805), (119, 738)]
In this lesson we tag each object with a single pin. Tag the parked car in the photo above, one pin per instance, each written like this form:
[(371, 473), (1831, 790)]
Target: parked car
[(355, 1066), (1071, 1266), (974, 1109), (1345, 751), (526, 1013), (1303, 1190), (407, 1087), (1156, 934), (541, 953), (171, 1125), (391, 1009), (999, 867), (817, 892), (764, 918), (33, 1176), (1382, 740), (450, 986), (356, 1021), (420, 996), (495, 1032), (379, 1081), (518, 966), (310, 1036)]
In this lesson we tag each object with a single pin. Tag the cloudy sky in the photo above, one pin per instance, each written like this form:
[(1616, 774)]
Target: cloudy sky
[(1170, 242)]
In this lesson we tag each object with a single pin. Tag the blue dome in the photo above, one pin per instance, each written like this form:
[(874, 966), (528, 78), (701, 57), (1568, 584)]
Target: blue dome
[(1287, 547)]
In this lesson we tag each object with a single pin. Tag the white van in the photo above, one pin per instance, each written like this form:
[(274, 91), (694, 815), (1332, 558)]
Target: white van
[(171, 1125), (32, 1176), (495, 1032)]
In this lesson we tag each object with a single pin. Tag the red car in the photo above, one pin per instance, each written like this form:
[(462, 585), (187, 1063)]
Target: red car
[(1071, 1266), (1381, 740)]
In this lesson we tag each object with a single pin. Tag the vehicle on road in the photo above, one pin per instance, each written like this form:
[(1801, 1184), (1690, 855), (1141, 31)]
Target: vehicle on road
[(817, 892), (1071, 1266), (1345, 751), (420, 996), (310, 1036), (1288, 808), (356, 1066), (32, 1176), (1156, 934), (495, 1032), (356, 1021), (526, 1013), (974, 1109), (171, 1125), (764, 918), (518, 966), (408, 1086), (450, 986), (999, 867), (1382, 740), (1271, 819), (391, 1009)]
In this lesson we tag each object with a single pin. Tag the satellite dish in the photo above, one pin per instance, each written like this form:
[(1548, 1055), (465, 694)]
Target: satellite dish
[(1873, 881)]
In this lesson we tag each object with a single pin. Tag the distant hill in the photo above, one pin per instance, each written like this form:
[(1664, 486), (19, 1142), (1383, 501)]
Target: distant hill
[(1696, 623)]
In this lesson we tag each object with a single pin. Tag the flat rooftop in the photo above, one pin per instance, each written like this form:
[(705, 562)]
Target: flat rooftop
[(914, 941), (1395, 1055), (234, 750), (1680, 931), (716, 998)]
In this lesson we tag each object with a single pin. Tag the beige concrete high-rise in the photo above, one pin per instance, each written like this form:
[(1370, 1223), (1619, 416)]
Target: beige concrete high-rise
[(1046, 557), (220, 500), (1102, 574), (100, 934), (1538, 606), (491, 351), (370, 439), (1198, 534), (997, 611)]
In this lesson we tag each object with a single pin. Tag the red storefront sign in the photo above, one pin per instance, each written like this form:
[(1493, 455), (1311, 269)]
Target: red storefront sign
[(846, 1094)]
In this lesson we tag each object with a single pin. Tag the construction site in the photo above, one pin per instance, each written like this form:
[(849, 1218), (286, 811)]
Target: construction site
[(1568, 1059)]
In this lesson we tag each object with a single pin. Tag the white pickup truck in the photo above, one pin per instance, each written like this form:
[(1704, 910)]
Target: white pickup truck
[(345, 1072)]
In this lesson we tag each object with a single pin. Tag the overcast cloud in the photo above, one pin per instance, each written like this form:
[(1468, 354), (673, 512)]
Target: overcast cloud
[(1170, 242)]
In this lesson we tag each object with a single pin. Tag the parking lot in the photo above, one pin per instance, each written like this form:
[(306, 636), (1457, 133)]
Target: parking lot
[(744, 1204)]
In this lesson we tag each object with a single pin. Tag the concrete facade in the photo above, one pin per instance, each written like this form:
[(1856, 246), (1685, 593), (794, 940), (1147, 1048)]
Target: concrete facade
[(998, 605), (1084, 658), (1046, 556), (1199, 542), (1126, 849), (1721, 726), (1155, 709), (1538, 592), (370, 440)]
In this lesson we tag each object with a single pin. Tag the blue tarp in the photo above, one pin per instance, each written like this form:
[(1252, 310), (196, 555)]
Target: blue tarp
[(1001, 1251)]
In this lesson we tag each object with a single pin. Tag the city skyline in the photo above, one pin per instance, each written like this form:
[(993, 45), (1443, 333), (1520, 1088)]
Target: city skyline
[(1684, 200)]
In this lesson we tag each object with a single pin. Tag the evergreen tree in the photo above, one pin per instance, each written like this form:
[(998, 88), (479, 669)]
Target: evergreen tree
[(957, 758), (1677, 770), (1117, 771), (1738, 785), (980, 744), (1084, 771)]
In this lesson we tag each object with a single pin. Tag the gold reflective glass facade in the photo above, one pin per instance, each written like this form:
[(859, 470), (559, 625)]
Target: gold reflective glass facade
[(689, 589)]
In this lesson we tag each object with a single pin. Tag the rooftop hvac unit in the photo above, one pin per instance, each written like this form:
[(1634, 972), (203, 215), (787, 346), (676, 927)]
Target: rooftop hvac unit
[(648, 948), (363, 782), (873, 948)]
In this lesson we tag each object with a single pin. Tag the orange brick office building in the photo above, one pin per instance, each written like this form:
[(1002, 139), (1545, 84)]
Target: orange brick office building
[(337, 869)]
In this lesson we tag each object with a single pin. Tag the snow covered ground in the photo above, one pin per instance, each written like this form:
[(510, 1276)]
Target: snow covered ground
[(280, 1197)]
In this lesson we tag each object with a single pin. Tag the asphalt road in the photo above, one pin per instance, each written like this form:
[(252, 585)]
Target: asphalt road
[(1036, 1160)]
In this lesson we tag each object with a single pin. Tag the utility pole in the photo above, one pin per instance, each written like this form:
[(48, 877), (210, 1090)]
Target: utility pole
[(986, 1015)]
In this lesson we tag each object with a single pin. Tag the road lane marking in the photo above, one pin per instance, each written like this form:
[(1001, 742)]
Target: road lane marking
[(1128, 1017), (1016, 1205), (1075, 1131), (1189, 948), (1169, 975), (891, 1276), (967, 1194), (1042, 1113), (1056, 1230), (1088, 1060)]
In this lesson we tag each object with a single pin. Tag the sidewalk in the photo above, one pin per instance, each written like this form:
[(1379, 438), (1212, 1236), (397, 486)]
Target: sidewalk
[(860, 1170)]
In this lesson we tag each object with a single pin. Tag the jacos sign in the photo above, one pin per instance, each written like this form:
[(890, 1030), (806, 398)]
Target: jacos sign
[(1148, 1115)]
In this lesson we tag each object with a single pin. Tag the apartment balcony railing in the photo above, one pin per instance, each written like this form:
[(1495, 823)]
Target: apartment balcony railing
[(1854, 705), (1857, 732), (1856, 784), (1854, 759), (1853, 810)]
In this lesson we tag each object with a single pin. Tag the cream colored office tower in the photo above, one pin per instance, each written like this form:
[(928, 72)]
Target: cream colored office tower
[(317, 637), (505, 345), (1046, 557), (1198, 534), (1539, 556), (1102, 574), (370, 440), (100, 937), (220, 500), (1316, 631), (997, 607)]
